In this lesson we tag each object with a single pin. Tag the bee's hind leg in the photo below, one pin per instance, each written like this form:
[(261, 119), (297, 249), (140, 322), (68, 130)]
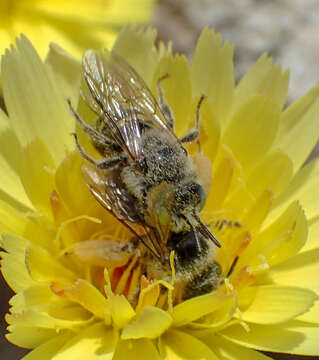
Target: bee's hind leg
[(193, 134), (101, 164), (166, 110)]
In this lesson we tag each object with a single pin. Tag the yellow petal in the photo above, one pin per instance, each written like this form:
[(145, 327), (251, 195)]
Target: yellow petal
[(230, 351), (301, 270), (210, 128), (36, 172), (88, 296), (313, 235), (281, 240), (272, 304), (44, 320), (213, 73), (136, 45), (304, 188), (263, 78), (252, 130), (217, 318), (10, 158), (69, 181), (221, 183), (177, 89), (151, 323), (36, 106), (38, 297), (312, 315), (48, 349), (139, 349), (273, 172), (293, 337), (299, 128), (258, 212), (65, 71), (178, 345), (13, 266), (95, 342), (194, 308), (11, 218), (42, 266), (30, 337), (121, 310)]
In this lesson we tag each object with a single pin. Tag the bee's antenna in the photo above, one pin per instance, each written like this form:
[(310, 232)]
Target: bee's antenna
[(205, 232)]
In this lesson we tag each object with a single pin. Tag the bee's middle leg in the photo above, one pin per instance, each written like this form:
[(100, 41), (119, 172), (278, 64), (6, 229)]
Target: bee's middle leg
[(102, 163), (166, 110), (97, 137), (193, 134)]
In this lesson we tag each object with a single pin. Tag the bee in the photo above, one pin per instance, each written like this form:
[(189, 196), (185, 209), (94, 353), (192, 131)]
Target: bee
[(145, 177)]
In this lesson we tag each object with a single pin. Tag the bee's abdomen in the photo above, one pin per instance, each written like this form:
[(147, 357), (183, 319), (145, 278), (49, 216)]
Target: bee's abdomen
[(206, 281)]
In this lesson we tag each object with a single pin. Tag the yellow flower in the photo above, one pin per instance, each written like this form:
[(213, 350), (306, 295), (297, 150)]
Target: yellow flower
[(263, 207), (73, 24)]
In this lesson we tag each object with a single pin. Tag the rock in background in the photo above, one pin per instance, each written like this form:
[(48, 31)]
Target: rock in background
[(285, 29)]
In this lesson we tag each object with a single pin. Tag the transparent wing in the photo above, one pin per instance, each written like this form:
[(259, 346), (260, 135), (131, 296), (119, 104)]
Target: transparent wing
[(111, 193), (122, 96)]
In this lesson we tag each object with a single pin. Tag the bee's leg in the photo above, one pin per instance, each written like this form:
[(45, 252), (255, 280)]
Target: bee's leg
[(101, 164), (166, 110), (193, 134), (97, 138)]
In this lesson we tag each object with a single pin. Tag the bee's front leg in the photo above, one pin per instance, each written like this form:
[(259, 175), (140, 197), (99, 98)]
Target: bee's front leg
[(194, 133), (166, 110)]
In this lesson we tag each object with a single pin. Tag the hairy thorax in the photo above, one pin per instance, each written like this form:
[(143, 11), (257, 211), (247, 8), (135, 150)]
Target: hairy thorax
[(164, 160)]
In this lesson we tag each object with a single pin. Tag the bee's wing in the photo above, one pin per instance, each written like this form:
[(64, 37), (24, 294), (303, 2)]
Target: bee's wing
[(111, 193), (124, 99)]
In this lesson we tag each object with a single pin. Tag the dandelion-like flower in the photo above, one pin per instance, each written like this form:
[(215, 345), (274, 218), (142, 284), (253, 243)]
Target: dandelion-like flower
[(74, 24), (262, 206)]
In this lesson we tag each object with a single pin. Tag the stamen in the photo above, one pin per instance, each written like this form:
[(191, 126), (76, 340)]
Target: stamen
[(170, 291), (241, 321), (108, 286), (70, 221)]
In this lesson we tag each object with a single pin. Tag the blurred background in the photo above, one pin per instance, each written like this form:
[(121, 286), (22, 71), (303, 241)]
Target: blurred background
[(286, 29)]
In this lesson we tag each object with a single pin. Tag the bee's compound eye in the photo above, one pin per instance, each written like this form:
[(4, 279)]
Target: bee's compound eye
[(200, 192)]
